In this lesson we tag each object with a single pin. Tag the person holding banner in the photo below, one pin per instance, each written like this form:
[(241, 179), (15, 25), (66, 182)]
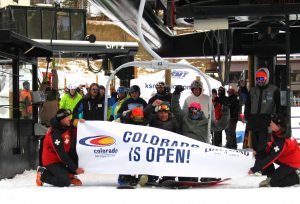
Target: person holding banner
[(59, 158), (134, 117), (194, 124), (282, 150), (159, 115)]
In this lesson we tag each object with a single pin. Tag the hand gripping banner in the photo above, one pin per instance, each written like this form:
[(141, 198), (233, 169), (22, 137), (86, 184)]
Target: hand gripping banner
[(115, 148)]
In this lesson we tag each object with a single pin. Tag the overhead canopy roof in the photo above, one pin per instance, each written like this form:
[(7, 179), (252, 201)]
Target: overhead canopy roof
[(12, 44), (76, 48)]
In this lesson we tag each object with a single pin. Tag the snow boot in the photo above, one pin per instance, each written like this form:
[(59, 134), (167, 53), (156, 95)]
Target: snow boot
[(75, 180), (298, 173), (265, 183), (39, 172)]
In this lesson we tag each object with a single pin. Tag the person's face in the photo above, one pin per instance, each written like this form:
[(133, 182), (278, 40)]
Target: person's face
[(94, 91), (274, 127), (197, 91), (72, 92), (163, 116), (261, 80), (134, 95), (121, 95), (214, 95), (221, 92), (66, 122), (159, 88), (102, 92)]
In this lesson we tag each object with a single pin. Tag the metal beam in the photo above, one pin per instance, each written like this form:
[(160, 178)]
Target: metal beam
[(224, 11)]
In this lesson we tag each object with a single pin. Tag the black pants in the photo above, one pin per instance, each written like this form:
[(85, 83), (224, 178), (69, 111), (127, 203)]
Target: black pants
[(284, 176), (56, 174), (217, 139), (231, 135), (259, 139)]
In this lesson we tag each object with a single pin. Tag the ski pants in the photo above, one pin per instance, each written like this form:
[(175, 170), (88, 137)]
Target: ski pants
[(56, 174), (284, 176)]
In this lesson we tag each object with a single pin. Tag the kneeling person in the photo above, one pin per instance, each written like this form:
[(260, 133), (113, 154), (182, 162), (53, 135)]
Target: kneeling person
[(58, 153)]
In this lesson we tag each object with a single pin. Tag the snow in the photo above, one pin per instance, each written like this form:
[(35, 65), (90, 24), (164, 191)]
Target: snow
[(101, 189)]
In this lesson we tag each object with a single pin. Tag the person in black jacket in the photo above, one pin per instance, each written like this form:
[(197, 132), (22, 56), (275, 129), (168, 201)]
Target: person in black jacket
[(91, 107), (162, 93), (134, 101), (59, 162), (282, 150), (233, 104)]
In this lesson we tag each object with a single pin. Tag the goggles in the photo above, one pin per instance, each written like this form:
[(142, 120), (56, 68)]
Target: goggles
[(64, 114), (260, 79), (138, 119), (159, 86), (163, 107), (194, 110)]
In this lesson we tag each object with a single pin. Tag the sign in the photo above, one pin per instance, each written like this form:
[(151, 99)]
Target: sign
[(115, 148)]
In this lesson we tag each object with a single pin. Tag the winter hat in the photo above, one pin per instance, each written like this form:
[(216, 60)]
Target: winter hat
[(62, 113), (261, 76), (137, 114), (278, 119), (196, 84), (134, 88), (195, 106)]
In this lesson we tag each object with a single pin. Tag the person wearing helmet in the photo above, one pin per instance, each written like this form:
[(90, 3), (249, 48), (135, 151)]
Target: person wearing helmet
[(197, 96), (59, 163), (282, 150), (134, 101), (70, 99), (262, 100), (159, 115), (26, 100), (194, 123), (161, 94), (134, 116), (121, 97)]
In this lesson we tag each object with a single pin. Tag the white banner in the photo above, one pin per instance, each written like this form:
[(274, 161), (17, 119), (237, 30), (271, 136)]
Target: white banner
[(115, 148)]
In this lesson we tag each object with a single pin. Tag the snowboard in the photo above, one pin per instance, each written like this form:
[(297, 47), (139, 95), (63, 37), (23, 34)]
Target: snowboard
[(190, 184), (126, 187)]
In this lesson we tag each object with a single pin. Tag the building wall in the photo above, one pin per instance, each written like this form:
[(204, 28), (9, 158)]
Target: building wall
[(4, 3)]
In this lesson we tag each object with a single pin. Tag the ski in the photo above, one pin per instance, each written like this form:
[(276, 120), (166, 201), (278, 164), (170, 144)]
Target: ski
[(190, 184)]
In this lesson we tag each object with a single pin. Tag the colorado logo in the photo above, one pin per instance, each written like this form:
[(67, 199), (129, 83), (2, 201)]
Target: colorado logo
[(97, 141)]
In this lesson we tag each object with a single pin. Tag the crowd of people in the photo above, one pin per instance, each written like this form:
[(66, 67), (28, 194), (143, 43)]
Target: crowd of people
[(270, 140)]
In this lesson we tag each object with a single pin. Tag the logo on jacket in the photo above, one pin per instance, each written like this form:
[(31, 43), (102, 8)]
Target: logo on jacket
[(97, 141)]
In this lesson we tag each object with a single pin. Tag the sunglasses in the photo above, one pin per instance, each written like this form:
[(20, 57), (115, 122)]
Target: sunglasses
[(159, 86), (163, 108), (260, 79), (65, 113), (193, 110), (95, 89)]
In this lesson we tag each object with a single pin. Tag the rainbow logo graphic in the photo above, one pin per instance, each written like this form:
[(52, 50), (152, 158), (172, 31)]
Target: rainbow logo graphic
[(97, 141)]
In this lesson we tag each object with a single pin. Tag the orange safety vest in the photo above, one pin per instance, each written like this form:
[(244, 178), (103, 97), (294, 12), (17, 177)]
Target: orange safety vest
[(23, 96)]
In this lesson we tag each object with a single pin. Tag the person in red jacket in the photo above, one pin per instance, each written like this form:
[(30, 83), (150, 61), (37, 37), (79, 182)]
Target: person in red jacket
[(282, 150), (59, 158)]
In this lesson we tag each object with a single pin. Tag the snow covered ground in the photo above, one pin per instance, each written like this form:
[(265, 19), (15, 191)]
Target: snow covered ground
[(101, 189)]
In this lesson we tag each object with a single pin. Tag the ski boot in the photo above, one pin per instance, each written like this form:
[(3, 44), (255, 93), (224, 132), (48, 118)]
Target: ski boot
[(75, 180), (265, 183), (40, 170), (127, 182)]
